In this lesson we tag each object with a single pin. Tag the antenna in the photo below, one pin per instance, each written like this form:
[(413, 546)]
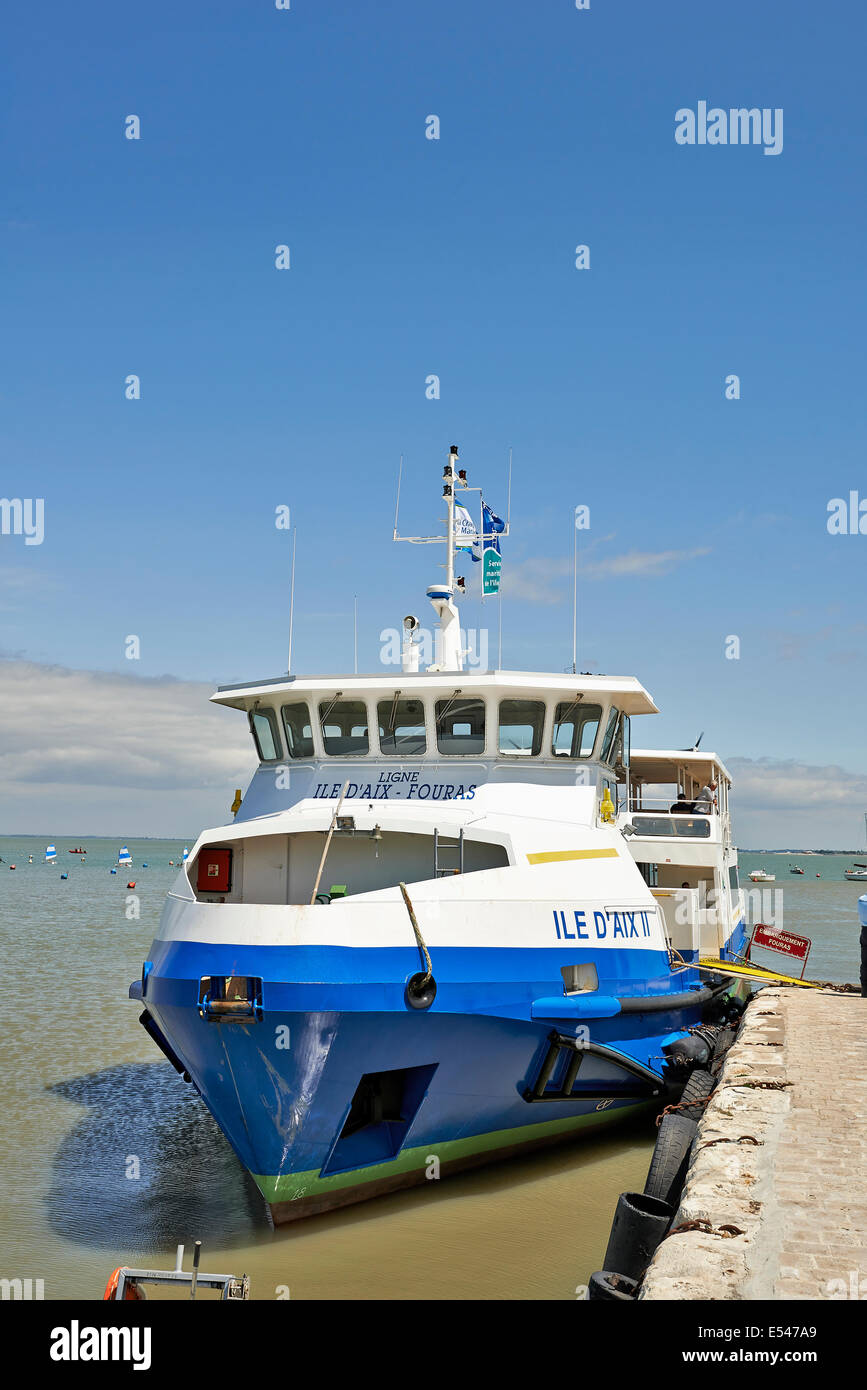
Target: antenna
[(500, 634), (292, 598), (574, 595), (397, 503), (355, 631)]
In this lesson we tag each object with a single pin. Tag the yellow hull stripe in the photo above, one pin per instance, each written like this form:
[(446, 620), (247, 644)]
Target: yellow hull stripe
[(556, 856)]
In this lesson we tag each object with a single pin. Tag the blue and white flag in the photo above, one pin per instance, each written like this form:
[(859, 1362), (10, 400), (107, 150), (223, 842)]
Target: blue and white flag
[(492, 525)]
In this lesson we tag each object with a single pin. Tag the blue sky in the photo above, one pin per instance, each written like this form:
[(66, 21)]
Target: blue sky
[(455, 257)]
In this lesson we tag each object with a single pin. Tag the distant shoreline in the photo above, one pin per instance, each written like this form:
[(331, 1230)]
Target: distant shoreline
[(861, 853), (80, 837)]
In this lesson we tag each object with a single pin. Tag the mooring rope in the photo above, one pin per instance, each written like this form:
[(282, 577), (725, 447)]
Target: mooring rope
[(418, 936)]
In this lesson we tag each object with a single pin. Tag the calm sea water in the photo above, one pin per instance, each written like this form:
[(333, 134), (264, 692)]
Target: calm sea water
[(85, 1092)]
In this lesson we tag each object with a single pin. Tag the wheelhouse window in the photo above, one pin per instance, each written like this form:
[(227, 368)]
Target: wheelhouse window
[(460, 726), (696, 828), (299, 730), (619, 757), (263, 726), (575, 728), (401, 727), (521, 723), (610, 732), (344, 727)]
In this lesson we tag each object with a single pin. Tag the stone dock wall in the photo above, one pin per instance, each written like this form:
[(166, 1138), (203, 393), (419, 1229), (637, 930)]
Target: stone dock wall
[(775, 1201)]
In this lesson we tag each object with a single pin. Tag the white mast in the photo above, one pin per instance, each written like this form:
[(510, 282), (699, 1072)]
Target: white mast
[(449, 653), (449, 644)]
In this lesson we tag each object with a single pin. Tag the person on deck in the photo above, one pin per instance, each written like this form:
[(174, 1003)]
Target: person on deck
[(706, 799)]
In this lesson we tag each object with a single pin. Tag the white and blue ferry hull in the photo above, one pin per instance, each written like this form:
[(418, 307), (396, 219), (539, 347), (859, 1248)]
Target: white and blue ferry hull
[(498, 1064)]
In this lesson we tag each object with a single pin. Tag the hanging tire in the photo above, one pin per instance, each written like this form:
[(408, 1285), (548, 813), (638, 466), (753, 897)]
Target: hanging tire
[(640, 1223), (667, 1171), (725, 1038), (606, 1286), (697, 1089)]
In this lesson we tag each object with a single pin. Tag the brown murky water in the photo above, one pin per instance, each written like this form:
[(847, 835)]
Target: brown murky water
[(88, 1103)]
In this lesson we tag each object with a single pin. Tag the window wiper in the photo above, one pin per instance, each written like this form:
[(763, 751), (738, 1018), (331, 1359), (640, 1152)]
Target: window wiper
[(323, 717), (565, 715), (441, 716), (393, 716)]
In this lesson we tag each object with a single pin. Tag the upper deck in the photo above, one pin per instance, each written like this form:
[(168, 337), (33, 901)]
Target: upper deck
[(665, 798)]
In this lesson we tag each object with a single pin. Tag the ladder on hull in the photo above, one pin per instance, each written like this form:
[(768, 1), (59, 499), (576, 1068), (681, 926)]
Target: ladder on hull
[(448, 847)]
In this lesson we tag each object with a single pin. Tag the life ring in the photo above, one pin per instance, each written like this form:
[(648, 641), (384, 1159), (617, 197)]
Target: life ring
[(131, 1294)]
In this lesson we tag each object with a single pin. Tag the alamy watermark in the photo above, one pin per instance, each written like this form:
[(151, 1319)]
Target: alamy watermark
[(761, 905), (27, 1289), (846, 517), (474, 645), (23, 516), (736, 126)]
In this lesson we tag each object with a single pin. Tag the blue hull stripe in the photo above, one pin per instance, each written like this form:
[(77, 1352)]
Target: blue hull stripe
[(281, 1088)]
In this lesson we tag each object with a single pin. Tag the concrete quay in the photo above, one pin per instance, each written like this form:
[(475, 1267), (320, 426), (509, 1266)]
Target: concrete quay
[(775, 1201)]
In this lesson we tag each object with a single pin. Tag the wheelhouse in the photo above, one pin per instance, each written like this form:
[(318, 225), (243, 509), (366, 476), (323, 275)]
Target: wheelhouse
[(508, 716)]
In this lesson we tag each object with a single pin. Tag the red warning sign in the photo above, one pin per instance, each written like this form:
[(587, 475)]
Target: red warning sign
[(785, 942)]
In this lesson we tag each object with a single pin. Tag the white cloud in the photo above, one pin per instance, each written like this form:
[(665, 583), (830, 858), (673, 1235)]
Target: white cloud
[(791, 804), (640, 562), (549, 581), (536, 581), (127, 749)]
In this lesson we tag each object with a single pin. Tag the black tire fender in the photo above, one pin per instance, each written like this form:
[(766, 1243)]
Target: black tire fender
[(667, 1171), (697, 1089), (606, 1286)]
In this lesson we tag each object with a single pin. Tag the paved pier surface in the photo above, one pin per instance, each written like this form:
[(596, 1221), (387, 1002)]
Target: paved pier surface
[(777, 1186)]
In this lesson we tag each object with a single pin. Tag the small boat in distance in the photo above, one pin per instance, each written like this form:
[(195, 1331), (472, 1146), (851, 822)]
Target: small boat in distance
[(80, 850), (759, 876), (124, 856), (794, 869), (859, 871)]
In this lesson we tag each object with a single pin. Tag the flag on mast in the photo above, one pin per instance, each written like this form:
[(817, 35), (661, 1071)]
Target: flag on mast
[(466, 534), (488, 551)]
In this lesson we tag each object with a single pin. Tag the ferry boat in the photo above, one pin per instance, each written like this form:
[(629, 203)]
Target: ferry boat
[(448, 922)]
